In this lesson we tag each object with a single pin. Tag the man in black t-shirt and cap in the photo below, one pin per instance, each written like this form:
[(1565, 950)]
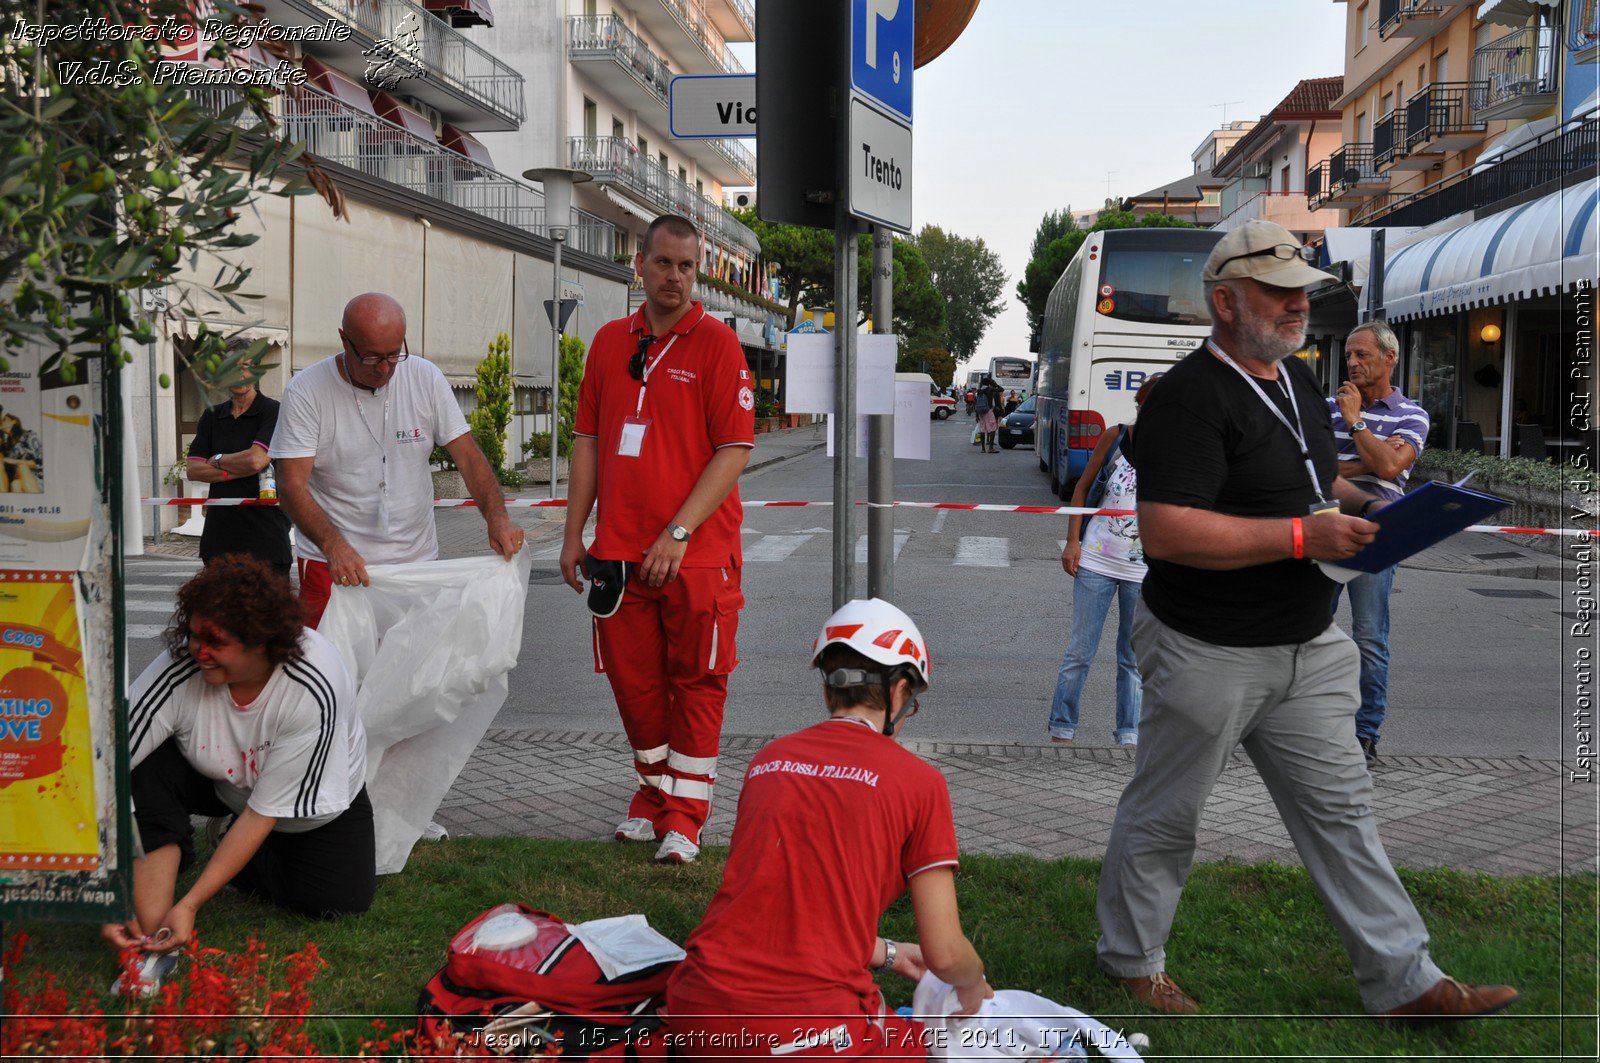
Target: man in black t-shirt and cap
[(1239, 497), (229, 452)]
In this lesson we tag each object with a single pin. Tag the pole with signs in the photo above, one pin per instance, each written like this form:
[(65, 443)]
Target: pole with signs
[(844, 409), (557, 182), (880, 435)]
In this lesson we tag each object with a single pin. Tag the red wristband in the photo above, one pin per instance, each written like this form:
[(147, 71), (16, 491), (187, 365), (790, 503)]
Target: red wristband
[(1297, 526), (223, 471)]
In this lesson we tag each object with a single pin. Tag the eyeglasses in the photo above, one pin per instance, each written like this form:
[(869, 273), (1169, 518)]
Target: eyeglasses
[(374, 359), (636, 363), (1282, 252)]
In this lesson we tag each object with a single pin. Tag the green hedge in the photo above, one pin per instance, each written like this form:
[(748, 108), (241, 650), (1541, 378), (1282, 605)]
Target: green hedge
[(1541, 475)]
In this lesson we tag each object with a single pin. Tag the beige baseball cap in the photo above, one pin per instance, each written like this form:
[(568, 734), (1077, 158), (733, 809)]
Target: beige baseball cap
[(1264, 251)]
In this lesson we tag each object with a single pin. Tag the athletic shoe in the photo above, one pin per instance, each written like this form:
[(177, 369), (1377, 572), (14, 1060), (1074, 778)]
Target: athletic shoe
[(217, 828), (1161, 993), (676, 849), (1056, 739), (1369, 748), (1450, 999), (148, 974), (636, 829)]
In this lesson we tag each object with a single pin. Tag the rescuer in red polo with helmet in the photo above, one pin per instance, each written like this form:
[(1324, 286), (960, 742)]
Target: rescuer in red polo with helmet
[(664, 428)]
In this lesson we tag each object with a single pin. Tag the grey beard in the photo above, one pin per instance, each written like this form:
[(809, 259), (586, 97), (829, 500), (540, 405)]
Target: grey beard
[(1261, 343)]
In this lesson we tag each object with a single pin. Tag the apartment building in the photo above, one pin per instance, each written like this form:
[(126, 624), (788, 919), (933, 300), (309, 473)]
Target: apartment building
[(605, 67), (1264, 171), (1469, 136), (433, 217), (1197, 197)]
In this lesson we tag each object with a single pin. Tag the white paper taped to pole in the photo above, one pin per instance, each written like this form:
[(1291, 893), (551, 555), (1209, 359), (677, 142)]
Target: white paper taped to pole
[(431, 645), (809, 365)]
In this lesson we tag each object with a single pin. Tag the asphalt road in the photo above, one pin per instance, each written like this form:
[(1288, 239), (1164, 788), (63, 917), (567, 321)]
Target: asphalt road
[(1473, 673)]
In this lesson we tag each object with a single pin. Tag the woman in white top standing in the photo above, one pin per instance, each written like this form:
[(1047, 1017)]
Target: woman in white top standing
[(1108, 563)]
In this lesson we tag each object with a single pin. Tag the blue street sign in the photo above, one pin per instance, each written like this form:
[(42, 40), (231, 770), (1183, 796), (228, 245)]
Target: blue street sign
[(882, 53)]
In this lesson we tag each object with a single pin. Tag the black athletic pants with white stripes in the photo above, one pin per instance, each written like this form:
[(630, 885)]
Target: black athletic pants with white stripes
[(328, 871)]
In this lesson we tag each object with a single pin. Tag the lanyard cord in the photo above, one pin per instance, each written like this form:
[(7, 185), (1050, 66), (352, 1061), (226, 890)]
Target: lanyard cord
[(644, 383), (1295, 429)]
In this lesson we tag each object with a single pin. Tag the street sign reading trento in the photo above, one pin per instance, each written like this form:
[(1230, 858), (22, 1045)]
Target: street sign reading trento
[(878, 157), (704, 106)]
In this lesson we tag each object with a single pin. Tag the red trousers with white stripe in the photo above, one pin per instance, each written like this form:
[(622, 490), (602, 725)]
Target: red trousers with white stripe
[(667, 652)]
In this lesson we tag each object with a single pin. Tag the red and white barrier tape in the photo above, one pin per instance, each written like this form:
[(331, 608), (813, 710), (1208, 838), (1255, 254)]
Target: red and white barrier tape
[(975, 507)]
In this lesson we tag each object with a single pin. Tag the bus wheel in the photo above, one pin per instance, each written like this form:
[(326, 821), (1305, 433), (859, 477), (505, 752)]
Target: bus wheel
[(1067, 485), (1044, 466)]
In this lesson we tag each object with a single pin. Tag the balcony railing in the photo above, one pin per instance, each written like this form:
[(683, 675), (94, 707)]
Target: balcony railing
[(1583, 30), (697, 24), (1316, 185), (1388, 138), (335, 132), (616, 160), (446, 53), (1518, 68), (607, 35), (1442, 110), (1553, 158), (1402, 16), (1353, 165)]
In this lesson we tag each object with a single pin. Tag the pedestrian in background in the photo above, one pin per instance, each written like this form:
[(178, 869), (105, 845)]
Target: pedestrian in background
[(1239, 496), (1108, 563), (665, 426), (1380, 434), (988, 408), (351, 450), (230, 451)]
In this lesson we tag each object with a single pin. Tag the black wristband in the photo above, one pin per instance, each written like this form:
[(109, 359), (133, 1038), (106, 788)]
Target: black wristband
[(1367, 506)]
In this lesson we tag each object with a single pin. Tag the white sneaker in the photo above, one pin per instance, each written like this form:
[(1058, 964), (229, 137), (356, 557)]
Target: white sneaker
[(147, 975), (636, 829), (676, 849)]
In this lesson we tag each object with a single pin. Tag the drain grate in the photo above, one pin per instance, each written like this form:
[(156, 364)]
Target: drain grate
[(1504, 555), (1497, 592)]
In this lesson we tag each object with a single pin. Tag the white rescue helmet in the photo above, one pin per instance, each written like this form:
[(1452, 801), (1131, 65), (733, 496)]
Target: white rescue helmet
[(879, 632)]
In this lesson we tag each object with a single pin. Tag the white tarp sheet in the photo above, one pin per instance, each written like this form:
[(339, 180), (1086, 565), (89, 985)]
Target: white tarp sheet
[(430, 645), (1012, 1024)]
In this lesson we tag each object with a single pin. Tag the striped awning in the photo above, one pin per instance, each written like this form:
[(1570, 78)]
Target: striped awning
[(1539, 248), (1511, 12)]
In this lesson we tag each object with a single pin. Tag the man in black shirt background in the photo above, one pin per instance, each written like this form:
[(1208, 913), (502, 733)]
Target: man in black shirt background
[(1239, 496), (229, 452)]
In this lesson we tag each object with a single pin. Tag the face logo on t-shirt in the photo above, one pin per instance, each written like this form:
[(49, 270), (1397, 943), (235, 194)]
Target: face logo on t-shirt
[(409, 435), (747, 400)]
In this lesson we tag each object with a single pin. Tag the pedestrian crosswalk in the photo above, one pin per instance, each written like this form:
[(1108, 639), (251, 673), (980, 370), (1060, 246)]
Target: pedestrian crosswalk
[(765, 549), (151, 591)]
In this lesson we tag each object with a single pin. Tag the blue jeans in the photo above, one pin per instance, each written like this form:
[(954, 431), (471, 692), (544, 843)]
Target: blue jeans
[(1369, 626), (1091, 600)]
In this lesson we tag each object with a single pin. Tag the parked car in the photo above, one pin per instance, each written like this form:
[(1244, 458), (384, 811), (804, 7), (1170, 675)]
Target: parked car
[(1017, 426)]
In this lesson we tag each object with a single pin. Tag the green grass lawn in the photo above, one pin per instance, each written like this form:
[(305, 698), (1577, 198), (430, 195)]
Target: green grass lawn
[(1252, 943)]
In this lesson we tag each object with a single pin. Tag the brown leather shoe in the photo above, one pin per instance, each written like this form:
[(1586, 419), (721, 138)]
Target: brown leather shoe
[(1450, 999), (1160, 993)]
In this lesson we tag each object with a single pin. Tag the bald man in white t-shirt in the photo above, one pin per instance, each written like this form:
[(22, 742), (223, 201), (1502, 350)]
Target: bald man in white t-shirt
[(351, 449)]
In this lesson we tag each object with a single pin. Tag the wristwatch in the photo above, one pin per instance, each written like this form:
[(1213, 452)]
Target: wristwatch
[(679, 533), (216, 461), (1359, 426), (890, 952)]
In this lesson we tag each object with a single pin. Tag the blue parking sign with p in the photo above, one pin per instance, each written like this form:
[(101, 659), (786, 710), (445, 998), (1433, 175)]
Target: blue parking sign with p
[(882, 51)]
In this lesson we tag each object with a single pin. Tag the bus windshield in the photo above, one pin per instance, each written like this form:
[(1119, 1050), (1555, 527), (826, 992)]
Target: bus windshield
[(1153, 286)]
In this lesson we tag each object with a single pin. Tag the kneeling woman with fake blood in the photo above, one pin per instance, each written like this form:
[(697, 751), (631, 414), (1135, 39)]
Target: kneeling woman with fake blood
[(249, 718)]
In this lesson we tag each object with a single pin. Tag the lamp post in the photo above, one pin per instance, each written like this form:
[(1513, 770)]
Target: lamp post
[(557, 182)]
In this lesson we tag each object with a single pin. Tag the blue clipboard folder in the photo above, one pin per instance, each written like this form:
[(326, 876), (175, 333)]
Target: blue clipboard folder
[(1430, 514)]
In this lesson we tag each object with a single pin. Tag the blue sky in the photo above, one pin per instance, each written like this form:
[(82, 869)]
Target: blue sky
[(1038, 99)]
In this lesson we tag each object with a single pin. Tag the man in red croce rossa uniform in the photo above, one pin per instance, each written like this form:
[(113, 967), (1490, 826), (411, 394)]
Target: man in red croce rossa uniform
[(835, 822), (665, 426)]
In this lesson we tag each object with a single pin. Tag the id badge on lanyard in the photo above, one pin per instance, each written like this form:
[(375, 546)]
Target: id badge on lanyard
[(630, 444)]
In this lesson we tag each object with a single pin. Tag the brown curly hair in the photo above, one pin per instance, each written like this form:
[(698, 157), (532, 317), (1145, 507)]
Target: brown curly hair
[(245, 598)]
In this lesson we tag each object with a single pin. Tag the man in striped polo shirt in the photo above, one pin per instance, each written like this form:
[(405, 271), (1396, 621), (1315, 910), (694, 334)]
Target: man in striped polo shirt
[(1380, 434)]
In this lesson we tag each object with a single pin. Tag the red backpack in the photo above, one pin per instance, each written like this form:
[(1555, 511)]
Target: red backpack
[(543, 993)]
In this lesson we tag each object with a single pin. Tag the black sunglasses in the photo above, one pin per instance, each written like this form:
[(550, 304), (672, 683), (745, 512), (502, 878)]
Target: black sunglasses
[(636, 363), (1283, 252)]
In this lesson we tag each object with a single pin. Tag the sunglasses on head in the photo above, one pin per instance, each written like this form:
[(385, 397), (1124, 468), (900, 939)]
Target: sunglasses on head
[(636, 363), (1282, 252)]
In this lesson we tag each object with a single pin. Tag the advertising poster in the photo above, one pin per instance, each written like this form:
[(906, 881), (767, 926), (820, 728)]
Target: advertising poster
[(48, 815), (46, 490)]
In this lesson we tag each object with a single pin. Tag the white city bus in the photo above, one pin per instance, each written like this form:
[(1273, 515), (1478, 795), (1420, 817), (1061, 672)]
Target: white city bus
[(1128, 305)]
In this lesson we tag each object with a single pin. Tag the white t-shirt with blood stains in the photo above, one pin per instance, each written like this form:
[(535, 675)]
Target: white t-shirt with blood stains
[(297, 753)]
